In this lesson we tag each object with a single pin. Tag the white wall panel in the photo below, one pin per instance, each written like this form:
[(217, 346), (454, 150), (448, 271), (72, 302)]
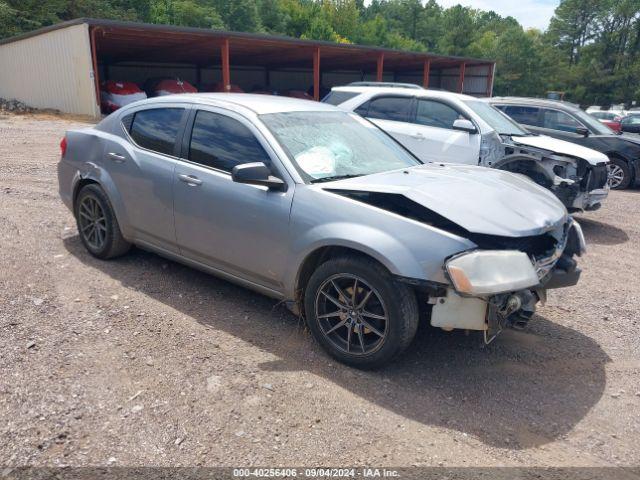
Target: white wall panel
[(51, 70)]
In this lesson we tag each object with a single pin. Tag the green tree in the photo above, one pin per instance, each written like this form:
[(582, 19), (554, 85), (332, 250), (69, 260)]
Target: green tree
[(239, 15), (573, 25), (8, 21), (319, 29), (519, 63), (430, 27), (273, 16), (372, 31), (343, 15), (185, 13), (458, 30)]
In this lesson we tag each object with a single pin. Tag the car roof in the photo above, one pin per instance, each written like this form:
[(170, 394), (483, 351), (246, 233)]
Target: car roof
[(408, 92), (544, 102), (257, 103)]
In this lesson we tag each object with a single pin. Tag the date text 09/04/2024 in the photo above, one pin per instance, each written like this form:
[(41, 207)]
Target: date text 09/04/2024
[(315, 472)]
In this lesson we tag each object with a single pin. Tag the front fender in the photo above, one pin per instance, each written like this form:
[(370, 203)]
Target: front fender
[(405, 247), (386, 249), (634, 163)]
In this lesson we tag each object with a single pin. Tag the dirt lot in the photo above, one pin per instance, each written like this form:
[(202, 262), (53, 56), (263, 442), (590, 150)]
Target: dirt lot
[(141, 361)]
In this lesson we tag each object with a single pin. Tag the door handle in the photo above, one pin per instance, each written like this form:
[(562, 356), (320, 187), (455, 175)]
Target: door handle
[(116, 157), (190, 180), (418, 136)]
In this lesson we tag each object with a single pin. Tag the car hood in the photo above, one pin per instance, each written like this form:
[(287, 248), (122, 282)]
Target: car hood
[(560, 146), (633, 138), (480, 200), (628, 144)]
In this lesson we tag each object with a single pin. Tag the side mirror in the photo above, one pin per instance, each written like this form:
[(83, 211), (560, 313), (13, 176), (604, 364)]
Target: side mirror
[(582, 131), (257, 173), (464, 125)]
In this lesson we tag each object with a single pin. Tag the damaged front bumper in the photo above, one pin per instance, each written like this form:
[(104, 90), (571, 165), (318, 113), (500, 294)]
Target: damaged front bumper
[(579, 183), (471, 303), (589, 192), (589, 201)]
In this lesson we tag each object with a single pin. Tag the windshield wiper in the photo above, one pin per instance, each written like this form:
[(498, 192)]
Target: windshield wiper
[(335, 177)]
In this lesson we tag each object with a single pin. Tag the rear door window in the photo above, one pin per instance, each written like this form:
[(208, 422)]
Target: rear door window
[(363, 109), (390, 108), (336, 97), (435, 114), (522, 114), (222, 142), (157, 129)]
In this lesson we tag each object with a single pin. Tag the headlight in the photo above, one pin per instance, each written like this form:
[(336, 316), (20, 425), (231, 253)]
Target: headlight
[(487, 272)]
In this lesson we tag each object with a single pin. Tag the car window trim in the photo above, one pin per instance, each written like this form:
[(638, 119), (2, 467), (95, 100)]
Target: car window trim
[(366, 102), (390, 95), (353, 95), (406, 149), (188, 131), (176, 143), (541, 109), (446, 103), (520, 105), (566, 113)]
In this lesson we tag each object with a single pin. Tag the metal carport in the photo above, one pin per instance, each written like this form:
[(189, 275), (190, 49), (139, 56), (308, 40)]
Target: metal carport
[(135, 51)]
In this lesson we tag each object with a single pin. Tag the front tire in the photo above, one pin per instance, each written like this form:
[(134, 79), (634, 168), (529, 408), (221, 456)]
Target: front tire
[(97, 224), (358, 313), (619, 174)]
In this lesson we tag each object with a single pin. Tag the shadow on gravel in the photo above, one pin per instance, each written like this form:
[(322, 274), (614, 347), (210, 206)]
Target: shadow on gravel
[(524, 390), (602, 233), (634, 189)]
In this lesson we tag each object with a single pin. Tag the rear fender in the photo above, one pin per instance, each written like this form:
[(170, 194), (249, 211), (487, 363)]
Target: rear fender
[(87, 151)]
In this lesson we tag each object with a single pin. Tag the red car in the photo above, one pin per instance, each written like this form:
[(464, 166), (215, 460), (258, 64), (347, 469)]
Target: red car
[(219, 87), (115, 94), (158, 87), (610, 119)]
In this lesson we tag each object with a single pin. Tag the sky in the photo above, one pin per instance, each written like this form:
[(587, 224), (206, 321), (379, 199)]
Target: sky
[(530, 13)]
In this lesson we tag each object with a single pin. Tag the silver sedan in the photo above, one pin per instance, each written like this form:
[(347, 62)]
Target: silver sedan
[(318, 207)]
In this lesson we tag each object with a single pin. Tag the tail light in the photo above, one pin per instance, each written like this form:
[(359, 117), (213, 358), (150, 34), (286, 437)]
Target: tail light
[(63, 146)]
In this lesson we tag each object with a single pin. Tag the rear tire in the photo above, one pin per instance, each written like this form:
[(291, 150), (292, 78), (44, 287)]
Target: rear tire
[(619, 174), (97, 224), (350, 327)]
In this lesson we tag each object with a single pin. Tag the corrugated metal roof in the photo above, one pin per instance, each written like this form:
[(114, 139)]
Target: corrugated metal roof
[(168, 29)]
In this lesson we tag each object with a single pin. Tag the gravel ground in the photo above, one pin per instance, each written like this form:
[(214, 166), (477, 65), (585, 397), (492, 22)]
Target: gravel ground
[(142, 361)]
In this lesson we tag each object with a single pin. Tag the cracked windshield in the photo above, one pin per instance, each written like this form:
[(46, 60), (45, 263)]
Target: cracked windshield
[(328, 146)]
